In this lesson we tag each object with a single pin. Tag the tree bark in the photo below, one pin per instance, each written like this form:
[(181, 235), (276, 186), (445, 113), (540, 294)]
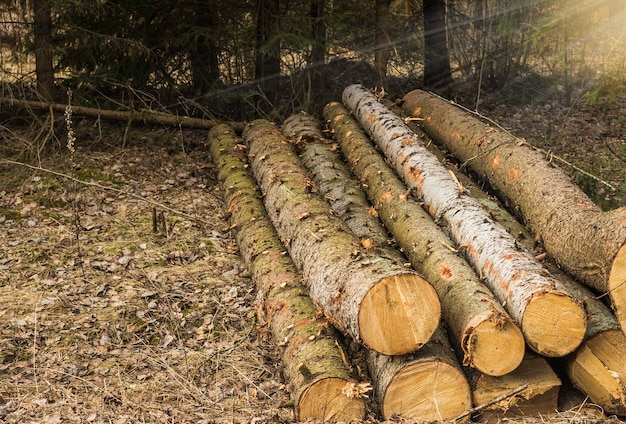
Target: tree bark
[(388, 308), (321, 385), (597, 367), (44, 69), (318, 32), (588, 243), (267, 64), (437, 72), (482, 331), (552, 321), (429, 384), (143, 116), (382, 46)]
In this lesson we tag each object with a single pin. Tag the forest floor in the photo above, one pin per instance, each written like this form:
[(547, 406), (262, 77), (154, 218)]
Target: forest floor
[(123, 298)]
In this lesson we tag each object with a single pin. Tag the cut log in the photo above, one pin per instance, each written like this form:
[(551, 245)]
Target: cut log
[(426, 385), (598, 366), (322, 388), (429, 384), (142, 116), (586, 242), (539, 396), (387, 307), (552, 321), (480, 327)]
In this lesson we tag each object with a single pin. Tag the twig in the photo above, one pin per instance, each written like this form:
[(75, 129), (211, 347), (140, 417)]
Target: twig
[(103, 187), (491, 402)]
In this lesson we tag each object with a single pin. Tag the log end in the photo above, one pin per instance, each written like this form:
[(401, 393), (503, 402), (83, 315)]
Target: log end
[(539, 395), (495, 347), (598, 369), (428, 390), (554, 324), (332, 400), (399, 314), (617, 286)]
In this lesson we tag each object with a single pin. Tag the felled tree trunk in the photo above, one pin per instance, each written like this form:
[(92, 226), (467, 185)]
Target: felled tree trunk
[(588, 243), (552, 321), (598, 366), (388, 308), (321, 386), (429, 384), (482, 330)]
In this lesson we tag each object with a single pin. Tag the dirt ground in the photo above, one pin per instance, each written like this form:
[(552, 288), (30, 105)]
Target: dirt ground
[(123, 298)]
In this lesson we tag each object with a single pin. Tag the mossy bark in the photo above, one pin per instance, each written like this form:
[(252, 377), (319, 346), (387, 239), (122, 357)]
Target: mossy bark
[(389, 308), (321, 385), (407, 386), (552, 321), (588, 243), (480, 327)]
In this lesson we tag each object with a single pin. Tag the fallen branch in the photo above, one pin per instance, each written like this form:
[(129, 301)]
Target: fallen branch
[(143, 116)]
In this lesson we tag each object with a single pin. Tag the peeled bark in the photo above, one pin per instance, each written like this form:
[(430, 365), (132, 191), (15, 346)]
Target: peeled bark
[(586, 242), (598, 367), (322, 387), (429, 384), (480, 327), (388, 308), (552, 321)]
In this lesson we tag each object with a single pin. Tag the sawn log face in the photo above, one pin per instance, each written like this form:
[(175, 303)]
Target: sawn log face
[(322, 387), (588, 243), (389, 308), (552, 321)]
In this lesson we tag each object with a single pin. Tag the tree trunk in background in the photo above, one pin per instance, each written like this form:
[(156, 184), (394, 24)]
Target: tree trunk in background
[(387, 307), (204, 55), (553, 322), (437, 73), (484, 335), (43, 48), (313, 363), (318, 32), (267, 63), (382, 43), (588, 243)]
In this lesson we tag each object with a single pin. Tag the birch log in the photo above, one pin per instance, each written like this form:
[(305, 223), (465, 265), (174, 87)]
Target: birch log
[(480, 327), (552, 321), (428, 384), (387, 307), (322, 388), (586, 242)]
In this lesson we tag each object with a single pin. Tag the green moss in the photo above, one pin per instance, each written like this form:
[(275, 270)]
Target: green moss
[(11, 214)]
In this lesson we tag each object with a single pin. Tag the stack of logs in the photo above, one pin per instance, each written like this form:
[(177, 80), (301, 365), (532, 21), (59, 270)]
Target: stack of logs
[(456, 307)]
